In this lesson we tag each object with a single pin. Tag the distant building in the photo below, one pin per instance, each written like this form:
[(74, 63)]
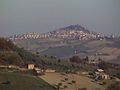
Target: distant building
[(38, 71), (10, 66), (31, 66), (100, 75), (50, 71), (13, 66)]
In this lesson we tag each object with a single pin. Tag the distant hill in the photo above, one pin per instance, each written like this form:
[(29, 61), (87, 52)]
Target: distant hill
[(76, 28), (11, 54), (76, 32), (108, 50), (71, 40)]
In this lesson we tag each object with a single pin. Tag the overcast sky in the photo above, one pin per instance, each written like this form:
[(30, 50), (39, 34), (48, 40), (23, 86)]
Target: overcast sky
[(20, 16)]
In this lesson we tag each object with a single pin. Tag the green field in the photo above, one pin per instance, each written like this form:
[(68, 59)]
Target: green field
[(22, 82)]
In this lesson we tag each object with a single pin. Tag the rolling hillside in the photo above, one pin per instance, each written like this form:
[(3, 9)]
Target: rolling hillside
[(108, 50), (71, 40), (14, 81), (11, 54)]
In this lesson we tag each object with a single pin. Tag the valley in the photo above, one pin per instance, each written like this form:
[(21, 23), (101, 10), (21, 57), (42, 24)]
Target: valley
[(108, 50)]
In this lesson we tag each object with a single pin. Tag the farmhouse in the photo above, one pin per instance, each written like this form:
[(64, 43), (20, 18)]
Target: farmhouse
[(30, 66), (9, 66), (50, 71), (38, 71), (13, 66), (100, 75)]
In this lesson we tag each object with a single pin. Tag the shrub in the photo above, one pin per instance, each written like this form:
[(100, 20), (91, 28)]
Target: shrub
[(73, 81), (59, 84), (82, 89), (66, 79)]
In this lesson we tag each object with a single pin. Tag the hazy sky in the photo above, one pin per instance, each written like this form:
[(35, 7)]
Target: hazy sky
[(20, 16)]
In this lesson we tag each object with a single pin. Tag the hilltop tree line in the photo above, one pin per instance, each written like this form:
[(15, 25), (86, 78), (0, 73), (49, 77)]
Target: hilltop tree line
[(11, 54), (6, 45), (76, 59)]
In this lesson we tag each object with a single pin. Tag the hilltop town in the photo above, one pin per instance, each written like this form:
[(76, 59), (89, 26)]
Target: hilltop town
[(90, 57), (72, 32)]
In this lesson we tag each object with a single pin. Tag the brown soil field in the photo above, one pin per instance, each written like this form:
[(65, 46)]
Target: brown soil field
[(81, 81)]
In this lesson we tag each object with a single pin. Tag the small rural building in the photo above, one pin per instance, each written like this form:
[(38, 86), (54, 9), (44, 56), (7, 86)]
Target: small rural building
[(93, 61), (100, 70), (38, 71), (31, 66), (3, 66), (105, 76), (50, 71), (13, 66), (100, 75)]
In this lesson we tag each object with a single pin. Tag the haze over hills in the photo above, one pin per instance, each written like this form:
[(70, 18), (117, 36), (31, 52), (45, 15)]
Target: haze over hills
[(69, 41), (67, 57), (59, 45), (12, 77)]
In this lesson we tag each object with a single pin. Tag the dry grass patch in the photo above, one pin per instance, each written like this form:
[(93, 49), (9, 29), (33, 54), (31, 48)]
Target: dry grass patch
[(70, 81)]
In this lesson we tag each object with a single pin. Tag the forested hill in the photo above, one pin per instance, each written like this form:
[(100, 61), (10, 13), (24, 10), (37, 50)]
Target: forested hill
[(11, 54)]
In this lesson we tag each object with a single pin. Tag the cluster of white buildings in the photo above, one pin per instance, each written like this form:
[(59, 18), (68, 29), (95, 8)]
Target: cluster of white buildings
[(32, 35), (63, 34), (75, 34)]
